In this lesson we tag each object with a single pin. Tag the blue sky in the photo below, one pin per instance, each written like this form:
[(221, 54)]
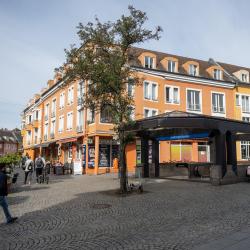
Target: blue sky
[(33, 35)]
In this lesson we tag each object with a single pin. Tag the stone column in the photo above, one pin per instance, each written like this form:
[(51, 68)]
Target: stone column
[(144, 156), (231, 151), (220, 152), (96, 153), (155, 157)]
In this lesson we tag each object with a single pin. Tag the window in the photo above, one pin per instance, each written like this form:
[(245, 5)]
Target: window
[(131, 87), (70, 95), (53, 108), (237, 100), (172, 95), (150, 91), (106, 115), (193, 70), (217, 74), (29, 136), (69, 120), (131, 111), (46, 113), (193, 100), (36, 115), (171, 66), (150, 112), (245, 104), (52, 129), (46, 131), (61, 124), (80, 93), (62, 100), (149, 61), (244, 77), (218, 103), (91, 116), (245, 150), (80, 118)]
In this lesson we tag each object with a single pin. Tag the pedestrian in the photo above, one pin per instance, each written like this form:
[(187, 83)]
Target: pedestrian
[(3, 194), (39, 165), (23, 160), (29, 167)]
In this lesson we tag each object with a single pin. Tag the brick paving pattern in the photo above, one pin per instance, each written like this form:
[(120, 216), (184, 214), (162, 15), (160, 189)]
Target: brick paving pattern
[(80, 213)]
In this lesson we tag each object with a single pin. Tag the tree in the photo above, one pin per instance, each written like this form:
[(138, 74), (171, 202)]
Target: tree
[(103, 59)]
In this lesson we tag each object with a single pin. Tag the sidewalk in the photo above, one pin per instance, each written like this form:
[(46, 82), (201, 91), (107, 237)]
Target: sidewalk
[(236, 241)]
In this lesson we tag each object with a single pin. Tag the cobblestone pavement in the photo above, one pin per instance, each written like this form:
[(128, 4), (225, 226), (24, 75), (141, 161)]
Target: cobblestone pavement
[(83, 213)]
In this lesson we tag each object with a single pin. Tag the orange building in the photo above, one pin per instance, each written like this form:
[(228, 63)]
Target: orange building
[(56, 124)]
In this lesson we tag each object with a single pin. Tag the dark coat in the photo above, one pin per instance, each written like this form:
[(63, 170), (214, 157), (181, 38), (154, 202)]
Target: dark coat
[(3, 184)]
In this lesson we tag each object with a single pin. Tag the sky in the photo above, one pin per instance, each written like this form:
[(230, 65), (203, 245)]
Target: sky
[(34, 34)]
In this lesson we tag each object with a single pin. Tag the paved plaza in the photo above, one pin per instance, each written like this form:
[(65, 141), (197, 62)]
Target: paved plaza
[(83, 212)]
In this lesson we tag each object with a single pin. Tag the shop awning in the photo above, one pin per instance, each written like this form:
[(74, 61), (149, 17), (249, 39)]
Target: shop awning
[(44, 145), (67, 140)]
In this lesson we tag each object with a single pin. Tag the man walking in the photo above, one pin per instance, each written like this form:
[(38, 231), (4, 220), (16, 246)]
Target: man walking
[(39, 165), (29, 166), (3, 194)]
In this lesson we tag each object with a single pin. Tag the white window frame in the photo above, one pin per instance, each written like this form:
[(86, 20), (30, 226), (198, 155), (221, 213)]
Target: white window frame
[(170, 69), (215, 75), (62, 100), (61, 124), (224, 104), (191, 69), (71, 95), (53, 106), (133, 89), (150, 110), (241, 102), (150, 91), (69, 123), (246, 75), (194, 111), (171, 94), (153, 62)]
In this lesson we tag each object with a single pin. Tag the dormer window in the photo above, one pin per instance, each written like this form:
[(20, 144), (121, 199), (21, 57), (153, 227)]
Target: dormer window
[(171, 66), (149, 62), (244, 77), (217, 74), (193, 70)]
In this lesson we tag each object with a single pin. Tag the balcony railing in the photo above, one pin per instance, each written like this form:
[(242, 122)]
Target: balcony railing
[(79, 129), (45, 137), (52, 135), (53, 114), (217, 109), (194, 107), (46, 117)]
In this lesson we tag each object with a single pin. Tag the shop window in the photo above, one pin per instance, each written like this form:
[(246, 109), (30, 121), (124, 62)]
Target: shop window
[(203, 152), (181, 151), (245, 150)]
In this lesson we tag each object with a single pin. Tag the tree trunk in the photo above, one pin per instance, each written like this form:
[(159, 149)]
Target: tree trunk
[(122, 164)]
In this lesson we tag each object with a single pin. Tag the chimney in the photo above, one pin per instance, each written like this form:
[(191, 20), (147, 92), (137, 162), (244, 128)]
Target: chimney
[(50, 83)]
